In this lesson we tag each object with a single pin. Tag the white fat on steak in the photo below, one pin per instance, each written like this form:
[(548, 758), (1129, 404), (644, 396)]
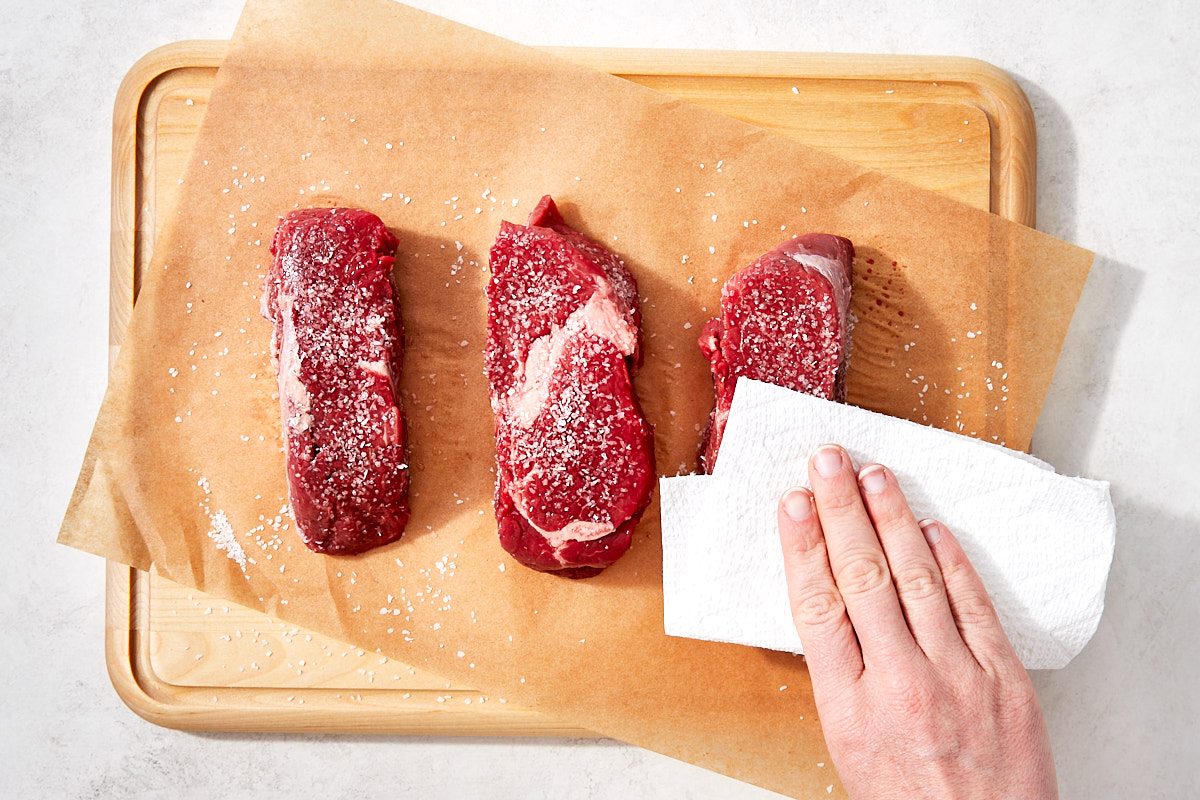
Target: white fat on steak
[(600, 317), (833, 271), (294, 399)]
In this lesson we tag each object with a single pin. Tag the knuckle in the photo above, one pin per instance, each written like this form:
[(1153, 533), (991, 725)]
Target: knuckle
[(808, 554), (819, 607), (840, 499), (1015, 698), (918, 583), (975, 610), (952, 570), (863, 573), (1011, 681)]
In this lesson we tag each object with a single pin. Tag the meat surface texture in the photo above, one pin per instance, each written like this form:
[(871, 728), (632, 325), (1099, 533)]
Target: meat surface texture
[(574, 455), (784, 320), (337, 344)]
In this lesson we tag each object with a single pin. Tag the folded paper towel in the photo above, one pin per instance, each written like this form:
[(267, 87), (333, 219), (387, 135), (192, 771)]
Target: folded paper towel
[(1042, 542)]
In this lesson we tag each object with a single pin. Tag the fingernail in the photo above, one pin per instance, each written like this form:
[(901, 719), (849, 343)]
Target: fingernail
[(932, 530), (798, 505), (828, 460), (873, 479)]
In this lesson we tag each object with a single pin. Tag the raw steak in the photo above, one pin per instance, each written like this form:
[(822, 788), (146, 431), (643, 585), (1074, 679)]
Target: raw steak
[(574, 456), (784, 320), (337, 344)]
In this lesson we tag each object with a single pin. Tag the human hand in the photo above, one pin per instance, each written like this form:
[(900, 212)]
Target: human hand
[(918, 689)]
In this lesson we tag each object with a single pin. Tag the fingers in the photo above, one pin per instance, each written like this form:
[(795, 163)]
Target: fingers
[(830, 646), (859, 566), (915, 573), (970, 604)]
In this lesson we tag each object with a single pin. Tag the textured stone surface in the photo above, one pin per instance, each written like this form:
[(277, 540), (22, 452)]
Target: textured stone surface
[(1114, 87)]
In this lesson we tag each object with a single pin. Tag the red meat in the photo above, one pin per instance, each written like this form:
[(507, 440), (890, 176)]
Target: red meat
[(784, 320), (337, 344), (574, 455)]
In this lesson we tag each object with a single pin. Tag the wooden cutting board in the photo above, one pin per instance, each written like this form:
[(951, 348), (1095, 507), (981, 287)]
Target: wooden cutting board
[(183, 659)]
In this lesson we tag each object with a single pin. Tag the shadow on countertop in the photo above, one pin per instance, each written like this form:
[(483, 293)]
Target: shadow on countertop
[(1139, 666)]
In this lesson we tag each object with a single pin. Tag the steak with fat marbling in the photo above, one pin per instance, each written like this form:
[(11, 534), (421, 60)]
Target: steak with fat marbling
[(337, 344), (784, 320), (574, 455)]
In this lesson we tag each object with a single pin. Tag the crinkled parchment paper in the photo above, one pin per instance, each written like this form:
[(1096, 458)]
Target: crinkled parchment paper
[(444, 131)]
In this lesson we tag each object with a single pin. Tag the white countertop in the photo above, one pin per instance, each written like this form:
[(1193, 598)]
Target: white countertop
[(1115, 88)]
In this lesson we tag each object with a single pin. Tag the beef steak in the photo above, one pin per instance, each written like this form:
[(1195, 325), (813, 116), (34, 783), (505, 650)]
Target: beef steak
[(337, 344), (574, 455), (784, 320)]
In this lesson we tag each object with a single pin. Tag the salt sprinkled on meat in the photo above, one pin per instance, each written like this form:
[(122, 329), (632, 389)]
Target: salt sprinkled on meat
[(574, 454), (784, 320), (337, 341)]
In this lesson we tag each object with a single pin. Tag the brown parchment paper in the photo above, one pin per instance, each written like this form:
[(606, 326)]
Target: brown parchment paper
[(443, 131)]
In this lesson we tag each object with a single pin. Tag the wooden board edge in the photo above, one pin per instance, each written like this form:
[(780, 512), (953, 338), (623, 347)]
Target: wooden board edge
[(1013, 189), (1014, 133), (127, 108), (1010, 115), (1014, 156), (258, 709)]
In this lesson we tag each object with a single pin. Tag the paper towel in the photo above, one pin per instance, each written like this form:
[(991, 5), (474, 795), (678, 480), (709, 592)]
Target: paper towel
[(1042, 542)]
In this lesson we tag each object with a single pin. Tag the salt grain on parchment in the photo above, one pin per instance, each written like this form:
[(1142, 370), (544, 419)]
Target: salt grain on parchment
[(223, 536)]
